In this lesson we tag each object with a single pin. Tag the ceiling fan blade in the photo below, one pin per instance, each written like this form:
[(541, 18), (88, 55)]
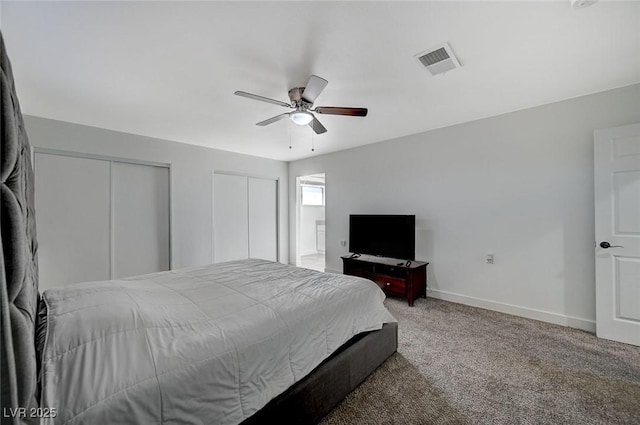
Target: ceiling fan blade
[(334, 110), (261, 98), (314, 87), (317, 126), (273, 119)]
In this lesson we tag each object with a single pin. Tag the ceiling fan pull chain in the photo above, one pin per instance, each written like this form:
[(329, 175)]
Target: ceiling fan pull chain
[(313, 148), (289, 127)]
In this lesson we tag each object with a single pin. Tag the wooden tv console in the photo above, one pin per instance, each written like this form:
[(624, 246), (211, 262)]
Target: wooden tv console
[(393, 275)]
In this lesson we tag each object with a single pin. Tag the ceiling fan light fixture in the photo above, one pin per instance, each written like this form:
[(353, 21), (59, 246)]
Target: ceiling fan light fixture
[(301, 117)]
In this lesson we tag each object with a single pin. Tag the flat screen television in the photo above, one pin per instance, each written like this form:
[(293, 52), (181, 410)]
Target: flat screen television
[(383, 235)]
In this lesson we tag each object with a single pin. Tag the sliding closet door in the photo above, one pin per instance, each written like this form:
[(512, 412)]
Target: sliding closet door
[(72, 215), (263, 232), (99, 219), (245, 217), (140, 208), (230, 217)]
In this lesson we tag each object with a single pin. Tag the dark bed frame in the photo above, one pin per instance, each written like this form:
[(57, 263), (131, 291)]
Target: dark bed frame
[(306, 402), (310, 399)]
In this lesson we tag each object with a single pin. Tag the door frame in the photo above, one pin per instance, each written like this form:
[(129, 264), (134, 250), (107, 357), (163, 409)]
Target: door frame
[(298, 232)]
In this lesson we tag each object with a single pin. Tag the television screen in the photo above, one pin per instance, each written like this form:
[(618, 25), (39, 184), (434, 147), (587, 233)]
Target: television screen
[(383, 235)]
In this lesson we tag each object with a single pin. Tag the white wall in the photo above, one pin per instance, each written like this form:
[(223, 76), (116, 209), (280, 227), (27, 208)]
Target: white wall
[(519, 186), (191, 178), (309, 214)]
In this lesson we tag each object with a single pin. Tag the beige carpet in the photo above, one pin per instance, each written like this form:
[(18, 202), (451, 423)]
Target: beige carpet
[(463, 365)]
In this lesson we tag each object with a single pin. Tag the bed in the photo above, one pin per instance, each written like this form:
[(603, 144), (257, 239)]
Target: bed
[(246, 342), (209, 344)]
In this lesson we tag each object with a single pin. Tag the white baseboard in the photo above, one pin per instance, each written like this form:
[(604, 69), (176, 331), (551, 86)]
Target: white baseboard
[(530, 313), (516, 310), (308, 252)]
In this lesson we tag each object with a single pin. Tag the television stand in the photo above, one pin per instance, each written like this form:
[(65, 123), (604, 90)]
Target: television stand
[(394, 276)]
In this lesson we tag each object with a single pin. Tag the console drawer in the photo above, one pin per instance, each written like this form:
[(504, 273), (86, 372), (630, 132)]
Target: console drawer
[(390, 284)]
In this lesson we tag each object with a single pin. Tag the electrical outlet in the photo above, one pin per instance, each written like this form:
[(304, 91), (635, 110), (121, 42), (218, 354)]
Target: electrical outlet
[(489, 259), (343, 243)]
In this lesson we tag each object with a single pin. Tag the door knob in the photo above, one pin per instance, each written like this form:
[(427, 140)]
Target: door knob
[(607, 245)]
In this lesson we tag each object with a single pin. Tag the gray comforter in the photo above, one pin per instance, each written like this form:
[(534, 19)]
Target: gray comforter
[(207, 345)]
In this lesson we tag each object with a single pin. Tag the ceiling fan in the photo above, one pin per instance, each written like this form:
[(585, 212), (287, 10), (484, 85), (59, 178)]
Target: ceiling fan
[(302, 99)]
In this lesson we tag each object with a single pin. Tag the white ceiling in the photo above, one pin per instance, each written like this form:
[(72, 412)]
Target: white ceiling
[(169, 69)]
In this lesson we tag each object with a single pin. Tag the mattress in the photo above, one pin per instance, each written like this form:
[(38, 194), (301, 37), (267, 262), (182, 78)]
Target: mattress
[(209, 344)]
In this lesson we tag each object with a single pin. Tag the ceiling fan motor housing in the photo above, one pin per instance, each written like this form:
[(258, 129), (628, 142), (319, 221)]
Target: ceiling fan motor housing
[(295, 94)]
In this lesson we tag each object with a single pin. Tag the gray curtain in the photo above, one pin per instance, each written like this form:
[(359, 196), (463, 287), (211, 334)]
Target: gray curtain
[(18, 256)]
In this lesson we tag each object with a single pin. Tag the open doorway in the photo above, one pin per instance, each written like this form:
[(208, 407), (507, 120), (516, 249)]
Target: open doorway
[(311, 222)]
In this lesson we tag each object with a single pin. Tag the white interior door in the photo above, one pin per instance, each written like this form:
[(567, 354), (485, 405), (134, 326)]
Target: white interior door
[(617, 221), (140, 219), (263, 211), (230, 217), (72, 212)]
